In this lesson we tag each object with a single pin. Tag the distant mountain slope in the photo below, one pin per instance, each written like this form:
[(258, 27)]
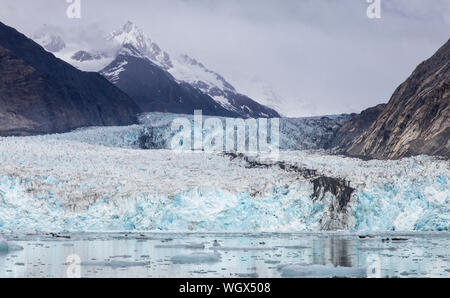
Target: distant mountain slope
[(183, 69), (186, 71), (417, 118), (355, 126), (41, 94), (189, 70), (154, 89)]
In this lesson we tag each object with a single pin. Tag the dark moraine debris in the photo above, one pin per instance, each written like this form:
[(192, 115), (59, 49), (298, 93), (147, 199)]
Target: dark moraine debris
[(339, 187), (151, 138), (55, 235), (305, 172), (394, 239), (366, 237), (399, 239)]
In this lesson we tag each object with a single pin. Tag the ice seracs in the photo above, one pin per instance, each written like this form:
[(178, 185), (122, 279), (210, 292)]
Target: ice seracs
[(98, 179)]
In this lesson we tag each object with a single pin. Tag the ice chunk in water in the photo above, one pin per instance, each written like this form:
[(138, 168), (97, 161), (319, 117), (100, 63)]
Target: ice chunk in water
[(6, 247), (320, 271), (242, 248), (197, 258), (115, 264), (3, 245), (184, 246)]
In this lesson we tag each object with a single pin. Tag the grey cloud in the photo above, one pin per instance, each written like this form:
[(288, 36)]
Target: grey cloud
[(321, 56)]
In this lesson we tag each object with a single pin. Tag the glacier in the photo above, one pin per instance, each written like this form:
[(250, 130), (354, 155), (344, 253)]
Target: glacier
[(125, 179)]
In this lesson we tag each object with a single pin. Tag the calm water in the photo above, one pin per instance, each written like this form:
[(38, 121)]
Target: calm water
[(228, 255)]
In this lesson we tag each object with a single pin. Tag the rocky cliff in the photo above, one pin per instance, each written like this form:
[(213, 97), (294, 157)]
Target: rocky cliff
[(355, 126), (41, 94), (417, 118)]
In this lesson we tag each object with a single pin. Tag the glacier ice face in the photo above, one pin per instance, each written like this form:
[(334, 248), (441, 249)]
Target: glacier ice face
[(97, 179), (154, 132), (295, 133), (195, 210), (403, 195)]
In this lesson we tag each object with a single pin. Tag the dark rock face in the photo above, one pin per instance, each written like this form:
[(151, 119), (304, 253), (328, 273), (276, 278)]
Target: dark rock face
[(355, 127), (41, 94), (417, 119), (155, 90)]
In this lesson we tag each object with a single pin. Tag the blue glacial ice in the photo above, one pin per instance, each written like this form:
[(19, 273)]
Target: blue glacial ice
[(98, 180), (7, 247)]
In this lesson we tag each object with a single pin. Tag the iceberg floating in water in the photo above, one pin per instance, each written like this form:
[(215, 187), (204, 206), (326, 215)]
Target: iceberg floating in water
[(197, 258), (6, 246), (320, 271)]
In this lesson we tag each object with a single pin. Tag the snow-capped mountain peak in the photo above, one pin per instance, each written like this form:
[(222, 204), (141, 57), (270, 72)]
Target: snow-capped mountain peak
[(130, 34), (131, 41), (134, 42), (184, 68)]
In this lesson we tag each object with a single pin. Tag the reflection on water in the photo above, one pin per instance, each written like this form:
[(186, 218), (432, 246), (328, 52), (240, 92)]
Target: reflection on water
[(228, 255)]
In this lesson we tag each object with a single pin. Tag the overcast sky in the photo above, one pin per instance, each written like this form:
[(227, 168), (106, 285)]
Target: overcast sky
[(316, 56)]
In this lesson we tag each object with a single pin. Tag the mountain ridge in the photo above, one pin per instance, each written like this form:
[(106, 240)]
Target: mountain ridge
[(417, 118), (183, 68), (42, 94), (155, 90), (188, 70)]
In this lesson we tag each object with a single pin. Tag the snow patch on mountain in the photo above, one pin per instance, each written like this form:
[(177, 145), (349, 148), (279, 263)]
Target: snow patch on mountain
[(113, 74)]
